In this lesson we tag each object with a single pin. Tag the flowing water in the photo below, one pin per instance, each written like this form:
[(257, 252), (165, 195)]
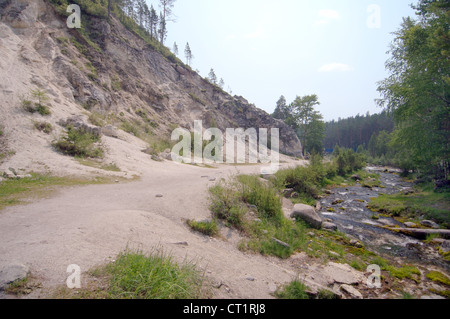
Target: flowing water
[(353, 218)]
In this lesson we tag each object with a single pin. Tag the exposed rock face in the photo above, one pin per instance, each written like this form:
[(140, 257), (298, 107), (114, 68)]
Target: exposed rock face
[(112, 73)]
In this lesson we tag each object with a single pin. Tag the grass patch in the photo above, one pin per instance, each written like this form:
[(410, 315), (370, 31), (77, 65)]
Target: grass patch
[(438, 277), (294, 290), (135, 275), (425, 202), (17, 191), (402, 272), (111, 167), (208, 228), (253, 208)]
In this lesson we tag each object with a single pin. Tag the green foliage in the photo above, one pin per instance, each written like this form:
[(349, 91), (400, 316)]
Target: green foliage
[(79, 143), (348, 161), (254, 192), (438, 277), (36, 104), (294, 290), (232, 201), (45, 127), (416, 90), (301, 116), (358, 130), (402, 272), (424, 202), (226, 205), (134, 275), (208, 228)]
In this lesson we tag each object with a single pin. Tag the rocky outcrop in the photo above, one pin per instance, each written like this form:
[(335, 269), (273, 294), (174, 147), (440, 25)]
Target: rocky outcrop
[(117, 72)]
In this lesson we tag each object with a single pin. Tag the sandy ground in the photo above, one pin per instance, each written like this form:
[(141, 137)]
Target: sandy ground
[(90, 225)]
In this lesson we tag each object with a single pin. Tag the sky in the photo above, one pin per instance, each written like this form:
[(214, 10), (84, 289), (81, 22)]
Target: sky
[(263, 49)]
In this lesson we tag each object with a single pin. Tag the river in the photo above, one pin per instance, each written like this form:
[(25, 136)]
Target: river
[(347, 208)]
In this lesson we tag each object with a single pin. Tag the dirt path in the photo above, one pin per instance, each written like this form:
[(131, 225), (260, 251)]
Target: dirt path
[(90, 225)]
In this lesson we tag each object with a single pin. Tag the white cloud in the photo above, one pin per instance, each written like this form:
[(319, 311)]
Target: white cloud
[(335, 67), (325, 17)]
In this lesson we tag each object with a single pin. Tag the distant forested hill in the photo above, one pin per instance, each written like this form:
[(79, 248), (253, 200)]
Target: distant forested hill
[(355, 131)]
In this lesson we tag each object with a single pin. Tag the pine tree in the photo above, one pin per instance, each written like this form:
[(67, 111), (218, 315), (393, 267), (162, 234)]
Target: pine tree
[(188, 54), (162, 28), (221, 83), (212, 77), (154, 20), (175, 48), (165, 16)]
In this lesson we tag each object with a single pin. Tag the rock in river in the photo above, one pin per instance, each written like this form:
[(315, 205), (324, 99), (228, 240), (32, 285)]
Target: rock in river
[(308, 214)]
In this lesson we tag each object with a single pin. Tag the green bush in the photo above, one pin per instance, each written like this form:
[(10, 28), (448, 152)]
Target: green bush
[(225, 205), (253, 192), (295, 290), (45, 127), (79, 143), (36, 105), (348, 161), (135, 275)]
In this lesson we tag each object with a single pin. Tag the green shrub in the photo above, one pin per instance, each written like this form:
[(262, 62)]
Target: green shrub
[(253, 192), (45, 127), (295, 290), (225, 205), (36, 104), (79, 143)]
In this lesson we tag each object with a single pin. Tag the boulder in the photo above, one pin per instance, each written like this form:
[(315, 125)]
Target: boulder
[(11, 273), (77, 123), (308, 214)]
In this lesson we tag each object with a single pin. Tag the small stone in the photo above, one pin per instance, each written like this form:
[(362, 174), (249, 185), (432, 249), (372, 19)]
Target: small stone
[(250, 278), (329, 226), (356, 243), (429, 223), (159, 196), (410, 225), (334, 254), (182, 243)]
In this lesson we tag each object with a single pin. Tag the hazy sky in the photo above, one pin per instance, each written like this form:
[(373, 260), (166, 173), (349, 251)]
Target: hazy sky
[(264, 49)]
